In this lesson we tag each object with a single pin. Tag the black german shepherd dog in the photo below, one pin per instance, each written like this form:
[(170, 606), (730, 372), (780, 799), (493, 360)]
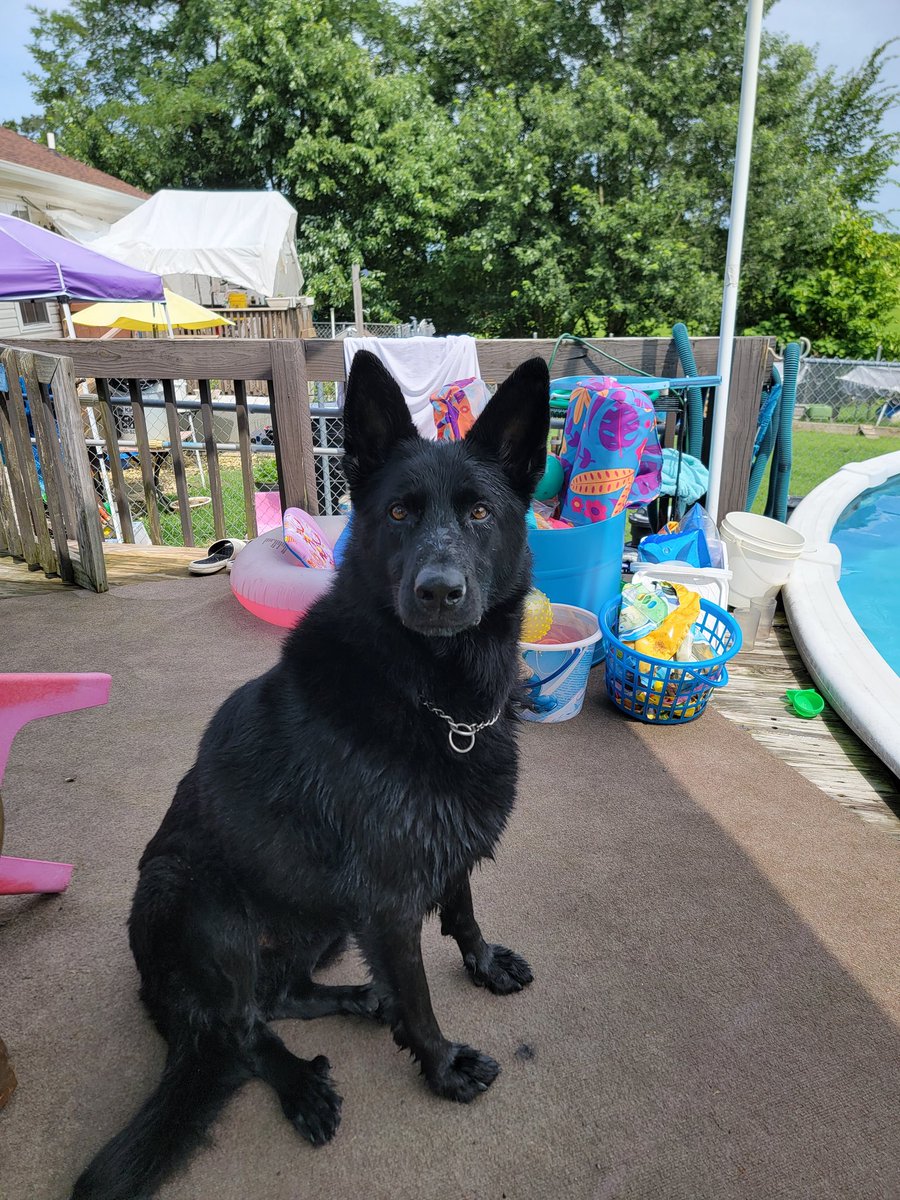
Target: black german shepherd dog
[(348, 792)]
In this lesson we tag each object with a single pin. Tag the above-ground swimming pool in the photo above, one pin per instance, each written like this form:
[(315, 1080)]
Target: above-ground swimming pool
[(843, 615), (868, 536)]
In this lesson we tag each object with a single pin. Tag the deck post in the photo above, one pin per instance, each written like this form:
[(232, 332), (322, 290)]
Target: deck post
[(292, 426), (91, 570)]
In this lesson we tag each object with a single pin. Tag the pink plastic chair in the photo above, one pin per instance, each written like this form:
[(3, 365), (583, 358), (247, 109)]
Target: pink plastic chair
[(24, 698)]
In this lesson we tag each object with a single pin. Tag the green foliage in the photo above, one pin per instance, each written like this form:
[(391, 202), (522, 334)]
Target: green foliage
[(844, 301), (529, 167)]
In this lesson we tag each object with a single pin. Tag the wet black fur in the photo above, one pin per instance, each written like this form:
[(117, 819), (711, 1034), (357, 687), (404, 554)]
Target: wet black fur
[(326, 802)]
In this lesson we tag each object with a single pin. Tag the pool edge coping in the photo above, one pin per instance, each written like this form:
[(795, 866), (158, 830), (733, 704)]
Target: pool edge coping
[(834, 647)]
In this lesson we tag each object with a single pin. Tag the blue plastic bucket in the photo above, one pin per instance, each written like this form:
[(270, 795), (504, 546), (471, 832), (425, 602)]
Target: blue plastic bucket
[(581, 566), (558, 674), (661, 690)]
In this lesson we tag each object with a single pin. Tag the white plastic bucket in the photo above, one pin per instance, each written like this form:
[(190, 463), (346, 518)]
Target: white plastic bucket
[(761, 553), (558, 673)]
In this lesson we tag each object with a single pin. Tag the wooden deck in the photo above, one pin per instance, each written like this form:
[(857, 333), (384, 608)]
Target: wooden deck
[(824, 751), (124, 564)]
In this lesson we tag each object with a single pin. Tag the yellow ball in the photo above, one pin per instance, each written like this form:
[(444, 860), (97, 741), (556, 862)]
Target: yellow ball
[(537, 616)]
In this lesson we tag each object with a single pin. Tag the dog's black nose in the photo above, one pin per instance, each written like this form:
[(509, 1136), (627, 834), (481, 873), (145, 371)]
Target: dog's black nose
[(437, 588)]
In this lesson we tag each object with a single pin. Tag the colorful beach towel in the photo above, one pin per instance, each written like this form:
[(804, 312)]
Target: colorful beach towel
[(611, 454), (456, 407)]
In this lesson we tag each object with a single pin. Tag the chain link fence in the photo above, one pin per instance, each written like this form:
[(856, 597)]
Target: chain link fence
[(848, 392), (342, 329)]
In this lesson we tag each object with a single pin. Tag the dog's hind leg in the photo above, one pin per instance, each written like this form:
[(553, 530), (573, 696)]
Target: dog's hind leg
[(500, 970), (308, 1000), (286, 988), (307, 1098), (394, 952)]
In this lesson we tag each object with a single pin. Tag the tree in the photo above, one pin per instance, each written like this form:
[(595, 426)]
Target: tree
[(140, 89), (844, 302), (532, 167)]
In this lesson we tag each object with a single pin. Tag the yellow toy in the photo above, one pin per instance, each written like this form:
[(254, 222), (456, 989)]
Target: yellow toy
[(663, 642), (537, 616)]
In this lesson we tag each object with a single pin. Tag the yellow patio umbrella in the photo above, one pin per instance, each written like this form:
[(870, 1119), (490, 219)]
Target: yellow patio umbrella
[(150, 315)]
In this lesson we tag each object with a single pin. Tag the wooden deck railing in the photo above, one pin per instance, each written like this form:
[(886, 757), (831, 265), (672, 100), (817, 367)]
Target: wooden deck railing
[(268, 323), (288, 368), (48, 514)]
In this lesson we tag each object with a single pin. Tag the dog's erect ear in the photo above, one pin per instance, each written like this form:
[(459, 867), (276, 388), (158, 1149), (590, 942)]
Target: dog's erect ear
[(515, 425), (375, 416)]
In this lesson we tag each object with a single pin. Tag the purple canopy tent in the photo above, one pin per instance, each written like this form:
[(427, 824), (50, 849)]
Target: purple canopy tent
[(36, 265)]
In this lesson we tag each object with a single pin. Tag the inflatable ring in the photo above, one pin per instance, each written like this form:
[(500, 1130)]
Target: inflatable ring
[(272, 584)]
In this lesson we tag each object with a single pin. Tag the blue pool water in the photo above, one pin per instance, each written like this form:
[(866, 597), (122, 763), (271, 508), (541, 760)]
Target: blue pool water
[(868, 535)]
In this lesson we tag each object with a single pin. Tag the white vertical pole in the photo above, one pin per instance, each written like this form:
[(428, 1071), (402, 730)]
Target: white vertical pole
[(358, 320), (169, 330), (739, 187), (67, 314)]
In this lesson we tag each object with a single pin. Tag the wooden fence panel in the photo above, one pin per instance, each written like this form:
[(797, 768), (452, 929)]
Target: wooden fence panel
[(52, 434), (5, 514), (243, 426), (160, 358), (90, 571), (292, 425), (41, 553), (145, 460), (12, 496), (49, 452), (289, 366), (111, 437), (181, 488), (751, 367), (212, 458)]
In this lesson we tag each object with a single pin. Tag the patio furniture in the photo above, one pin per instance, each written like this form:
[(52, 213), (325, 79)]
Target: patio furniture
[(24, 698)]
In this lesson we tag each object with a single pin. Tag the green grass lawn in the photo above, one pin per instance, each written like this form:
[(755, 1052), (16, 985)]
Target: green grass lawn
[(817, 455), (264, 471)]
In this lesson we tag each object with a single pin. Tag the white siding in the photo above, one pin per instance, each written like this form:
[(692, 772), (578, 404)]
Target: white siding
[(11, 323)]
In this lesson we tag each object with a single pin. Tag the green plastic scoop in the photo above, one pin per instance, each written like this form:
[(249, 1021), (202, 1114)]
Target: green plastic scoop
[(806, 703)]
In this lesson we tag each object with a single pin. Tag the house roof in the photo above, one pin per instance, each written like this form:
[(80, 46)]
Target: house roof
[(24, 153)]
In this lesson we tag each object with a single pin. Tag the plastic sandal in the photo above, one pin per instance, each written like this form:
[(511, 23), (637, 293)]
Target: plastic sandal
[(218, 556)]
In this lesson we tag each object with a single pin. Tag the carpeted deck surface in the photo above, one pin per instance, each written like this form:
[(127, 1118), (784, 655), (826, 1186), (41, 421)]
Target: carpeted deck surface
[(714, 943)]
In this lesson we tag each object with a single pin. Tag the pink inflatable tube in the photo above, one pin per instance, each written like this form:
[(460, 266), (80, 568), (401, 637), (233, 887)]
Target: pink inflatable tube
[(272, 584)]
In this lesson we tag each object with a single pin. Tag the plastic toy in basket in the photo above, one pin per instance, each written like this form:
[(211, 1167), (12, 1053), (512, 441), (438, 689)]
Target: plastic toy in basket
[(666, 691)]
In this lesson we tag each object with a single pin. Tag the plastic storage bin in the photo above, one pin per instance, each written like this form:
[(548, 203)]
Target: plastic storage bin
[(658, 690), (710, 583)]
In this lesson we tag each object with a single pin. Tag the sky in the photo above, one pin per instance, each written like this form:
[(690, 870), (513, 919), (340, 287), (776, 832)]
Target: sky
[(845, 31)]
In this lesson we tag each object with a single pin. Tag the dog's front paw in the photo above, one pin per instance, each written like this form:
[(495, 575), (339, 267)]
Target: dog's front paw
[(314, 1107), (500, 970), (463, 1073)]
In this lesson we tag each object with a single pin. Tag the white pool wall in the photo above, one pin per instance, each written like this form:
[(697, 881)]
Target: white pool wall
[(849, 672)]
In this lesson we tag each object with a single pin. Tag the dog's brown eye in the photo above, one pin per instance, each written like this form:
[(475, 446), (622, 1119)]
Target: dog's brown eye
[(480, 513), (398, 512)]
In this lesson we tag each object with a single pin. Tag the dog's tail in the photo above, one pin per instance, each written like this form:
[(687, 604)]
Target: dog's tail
[(169, 1125)]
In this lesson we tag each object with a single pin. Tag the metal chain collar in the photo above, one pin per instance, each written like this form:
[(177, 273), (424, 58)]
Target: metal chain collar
[(462, 729)]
